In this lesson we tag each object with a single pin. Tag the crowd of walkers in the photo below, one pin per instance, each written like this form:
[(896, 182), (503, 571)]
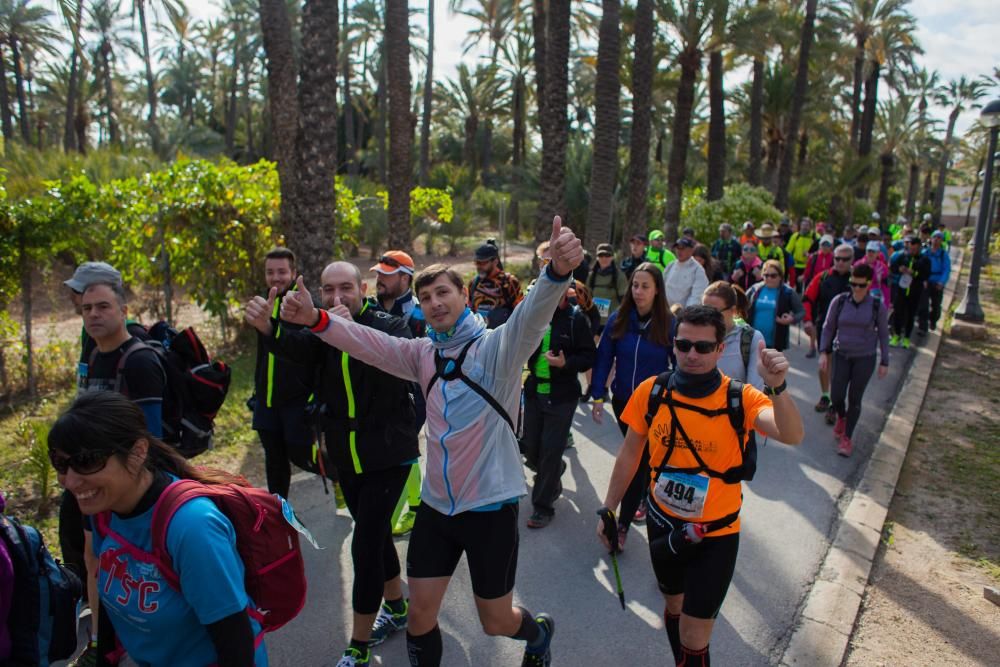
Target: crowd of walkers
[(686, 343)]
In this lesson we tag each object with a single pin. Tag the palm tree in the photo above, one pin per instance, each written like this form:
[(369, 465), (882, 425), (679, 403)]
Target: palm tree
[(5, 115), (717, 109), (472, 96), (425, 123), (642, 102), (553, 88), (756, 135), (604, 166), (515, 65), (798, 102), (105, 21), (960, 94), (921, 85), (397, 47), (25, 28), (896, 124), (72, 12)]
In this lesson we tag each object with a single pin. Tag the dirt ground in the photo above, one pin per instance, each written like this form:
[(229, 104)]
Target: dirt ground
[(941, 545)]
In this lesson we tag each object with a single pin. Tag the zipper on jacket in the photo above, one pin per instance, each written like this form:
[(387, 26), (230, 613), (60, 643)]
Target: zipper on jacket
[(352, 412), (444, 465), (270, 355)]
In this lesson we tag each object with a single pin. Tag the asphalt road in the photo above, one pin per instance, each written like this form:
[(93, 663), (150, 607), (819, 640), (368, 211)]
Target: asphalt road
[(788, 516)]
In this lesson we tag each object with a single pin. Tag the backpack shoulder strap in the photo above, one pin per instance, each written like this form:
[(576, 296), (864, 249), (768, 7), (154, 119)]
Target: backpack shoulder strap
[(451, 369), (746, 344), (656, 395), (175, 495), (734, 408), (138, 346)]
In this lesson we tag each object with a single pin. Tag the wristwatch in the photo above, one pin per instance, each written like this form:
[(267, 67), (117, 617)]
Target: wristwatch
[(776, 391)]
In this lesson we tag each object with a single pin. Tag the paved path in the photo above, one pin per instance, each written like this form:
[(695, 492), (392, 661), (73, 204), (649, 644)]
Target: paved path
[(789, 513)]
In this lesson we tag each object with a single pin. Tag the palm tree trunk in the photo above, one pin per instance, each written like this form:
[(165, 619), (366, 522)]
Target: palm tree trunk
[(8, 121), (555, 129), (248, 113), (716, 127), (282, 98), (25, 269), (471, 127), (154, 130), (756, 137), (231, 108), (911, 189), (942, 175), (859, 66), (382, 106), (109, 94), (775, 142), (397, 44), (803, 150), (607, 121), (867, 128), (425, 123), (517, 154), (690, 62), (316, 143), (22, 103), (70, 132), (638, 153), (972, 198), (798, 102), (539, 28), (350, 152), (888, 161)]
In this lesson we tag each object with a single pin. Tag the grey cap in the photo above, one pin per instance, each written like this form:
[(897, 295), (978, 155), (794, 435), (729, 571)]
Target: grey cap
[(93, 272)]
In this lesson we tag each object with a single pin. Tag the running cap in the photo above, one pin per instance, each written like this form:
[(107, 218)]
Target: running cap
[(655, 234), (488, 250), (863, 229), (826, 239), (605, 249), (747, 225), (638, 237), (938, 234), (684, 242), (93, 272), (394, 261), (873, 246)]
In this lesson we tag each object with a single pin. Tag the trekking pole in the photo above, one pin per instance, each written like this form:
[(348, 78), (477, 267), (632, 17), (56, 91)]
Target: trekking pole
[(611, 532)]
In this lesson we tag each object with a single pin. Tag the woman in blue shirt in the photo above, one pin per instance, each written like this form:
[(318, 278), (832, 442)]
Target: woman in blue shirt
[(106, 457), (774, 306), (638, 343)]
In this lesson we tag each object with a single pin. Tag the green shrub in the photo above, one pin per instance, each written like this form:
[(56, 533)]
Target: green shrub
[(740, 202)]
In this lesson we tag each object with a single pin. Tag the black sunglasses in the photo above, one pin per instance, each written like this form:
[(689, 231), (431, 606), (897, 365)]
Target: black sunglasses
[(700, 346), (843, 259), (859, 285), (85, 462), (771, 275), (390, 261)]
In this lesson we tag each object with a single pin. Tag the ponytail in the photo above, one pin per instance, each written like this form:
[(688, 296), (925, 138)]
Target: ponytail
[(732, 295)]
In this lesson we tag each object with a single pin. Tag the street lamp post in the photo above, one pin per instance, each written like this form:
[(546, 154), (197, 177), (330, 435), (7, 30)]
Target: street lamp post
[(970, 310)]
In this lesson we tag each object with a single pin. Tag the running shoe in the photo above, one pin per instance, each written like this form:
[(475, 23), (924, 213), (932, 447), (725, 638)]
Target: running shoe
[(88, 658), (893, 340), (841, 427), (354, 658), (541, 657), (811, 354), (905, 343), (845, 447), (823, 405), (338, 496), (405, 523), (387, 622), (539, 520), (830, 416), (640, 513)]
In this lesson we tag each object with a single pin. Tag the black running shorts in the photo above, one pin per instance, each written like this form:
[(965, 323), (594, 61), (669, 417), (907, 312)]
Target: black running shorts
[(488, 539), (702, 572)]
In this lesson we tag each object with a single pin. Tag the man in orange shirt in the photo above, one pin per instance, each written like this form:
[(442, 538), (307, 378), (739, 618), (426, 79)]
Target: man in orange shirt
[(697, 462)]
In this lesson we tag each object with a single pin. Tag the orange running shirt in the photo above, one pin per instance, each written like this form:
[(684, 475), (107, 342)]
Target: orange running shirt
[(697, 498)]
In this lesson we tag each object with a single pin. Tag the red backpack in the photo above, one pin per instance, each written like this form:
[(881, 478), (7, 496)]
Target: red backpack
[(268, 544)]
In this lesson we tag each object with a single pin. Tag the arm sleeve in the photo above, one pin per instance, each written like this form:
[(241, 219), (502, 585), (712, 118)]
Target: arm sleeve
[(811, 295), (753, 374), (295, 345), (394, 355), (233, 640), (605, 357), (144, 377), (584, 352), (698, 287), (798, 312), (830, 326), (883, 333), (153, 412)]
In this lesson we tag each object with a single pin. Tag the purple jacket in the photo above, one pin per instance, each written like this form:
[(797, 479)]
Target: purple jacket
[(854, 329)]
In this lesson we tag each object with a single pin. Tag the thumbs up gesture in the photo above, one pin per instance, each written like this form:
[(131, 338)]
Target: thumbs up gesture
[(772, 366), (340, 309), (297, 306), (258, 311), (565, 248)]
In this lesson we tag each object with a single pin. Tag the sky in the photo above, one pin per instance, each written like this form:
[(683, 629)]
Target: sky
[(958, 38)]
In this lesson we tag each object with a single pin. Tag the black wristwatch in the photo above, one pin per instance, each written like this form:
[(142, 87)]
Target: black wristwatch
[(776, 391)]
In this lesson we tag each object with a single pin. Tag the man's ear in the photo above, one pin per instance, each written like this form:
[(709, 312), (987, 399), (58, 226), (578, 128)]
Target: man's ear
[(364, 287)]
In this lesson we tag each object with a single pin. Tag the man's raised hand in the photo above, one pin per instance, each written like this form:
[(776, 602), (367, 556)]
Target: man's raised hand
[(297, 306), (258, 311), (772, 367), (565, 248), (340, 310)]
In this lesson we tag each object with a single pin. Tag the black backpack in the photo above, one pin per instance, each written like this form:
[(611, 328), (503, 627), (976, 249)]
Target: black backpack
[(196, 386), (746, 344), (661, 394), (451, 369), (42, 621)]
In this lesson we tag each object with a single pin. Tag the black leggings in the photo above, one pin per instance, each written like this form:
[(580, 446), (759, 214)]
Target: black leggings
[(904, 311), (848, 380), (277, 467), (371, 498), (639, 485)]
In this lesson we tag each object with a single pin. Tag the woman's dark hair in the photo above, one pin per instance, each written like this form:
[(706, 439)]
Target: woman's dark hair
[(107, 421), (732, 295), (863, 271), (661, 323), (432, 273), (703, 316)]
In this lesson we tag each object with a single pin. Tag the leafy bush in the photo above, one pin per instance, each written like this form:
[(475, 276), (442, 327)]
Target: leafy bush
[(740, 202)]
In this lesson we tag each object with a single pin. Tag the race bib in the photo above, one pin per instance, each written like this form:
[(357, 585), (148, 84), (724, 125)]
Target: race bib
[(905, 281), (603, 306), (682, 494)]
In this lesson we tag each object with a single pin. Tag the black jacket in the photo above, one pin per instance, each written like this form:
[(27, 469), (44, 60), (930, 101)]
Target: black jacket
[(280, 383), (383, 421), (571, 334)]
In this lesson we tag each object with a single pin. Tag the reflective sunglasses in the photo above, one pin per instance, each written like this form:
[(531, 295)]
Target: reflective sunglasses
[(771, 275), (843, 259), (84, 462), (700, 346), (859, 285), (389, 261)]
